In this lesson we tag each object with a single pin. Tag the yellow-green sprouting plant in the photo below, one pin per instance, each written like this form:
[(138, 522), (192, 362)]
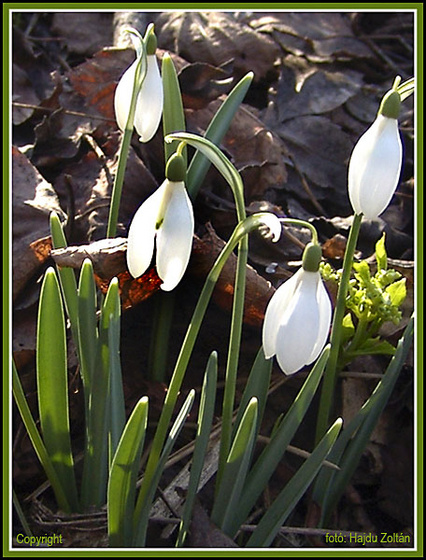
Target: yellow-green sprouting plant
[(372, 300)]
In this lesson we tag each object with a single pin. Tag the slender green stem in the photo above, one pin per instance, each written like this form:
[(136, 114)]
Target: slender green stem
[(304, 224), (234, 180), (234, 336), (330, 374), (118, 183), (233, 355), (242, 229)]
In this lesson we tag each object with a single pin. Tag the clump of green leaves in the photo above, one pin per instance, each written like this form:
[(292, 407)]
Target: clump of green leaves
[(373, 299)]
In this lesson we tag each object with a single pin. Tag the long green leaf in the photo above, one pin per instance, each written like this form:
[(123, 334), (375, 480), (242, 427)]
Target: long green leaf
[(37, 442), (66, 277), (257, 386), (89, 339), (52, 384), (288, 498), (173, 114), (215, 132), (87, 326), (351, 443), (205, 419), (273, 452), (117, 404), (173, 120), (123, 476), (235, 471), (100, 401), (141, 514)]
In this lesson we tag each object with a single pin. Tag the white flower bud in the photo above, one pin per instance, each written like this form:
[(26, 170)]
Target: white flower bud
[(149, 102), (375, 167)]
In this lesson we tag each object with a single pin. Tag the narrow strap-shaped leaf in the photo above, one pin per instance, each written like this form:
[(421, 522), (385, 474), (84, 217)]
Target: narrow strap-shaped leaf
[(173, 114), (352, 441), (215, 132), (21, 515), (173, 120), (99, 405), (66, 277), (123, 476), (37, 442), (87, 326), (283, 434), (116, 398), (257, 386), (52, 384), (117, 405), (205, 419), (288, 498), (89, 340), (236, 467), (142, 509)]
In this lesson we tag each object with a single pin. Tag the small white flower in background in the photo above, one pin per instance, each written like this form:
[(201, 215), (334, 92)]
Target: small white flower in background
[(297, 319), (376, 161), (149, 102), (164, 223)]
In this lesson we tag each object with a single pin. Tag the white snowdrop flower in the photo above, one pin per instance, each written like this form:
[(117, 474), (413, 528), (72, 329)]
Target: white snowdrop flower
[(149, 102), (297, 319), (376, 161), (163, 224)]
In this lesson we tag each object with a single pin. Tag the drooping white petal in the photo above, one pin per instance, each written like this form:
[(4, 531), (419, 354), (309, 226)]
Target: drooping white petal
[(149, 105), (298, 331), (142, 232), (175, 237), (279, 301), (123, 96), (325, 311), (375, 167)]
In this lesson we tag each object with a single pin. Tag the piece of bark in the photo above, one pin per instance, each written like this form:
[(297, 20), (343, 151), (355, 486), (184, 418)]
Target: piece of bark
[(108, 258)]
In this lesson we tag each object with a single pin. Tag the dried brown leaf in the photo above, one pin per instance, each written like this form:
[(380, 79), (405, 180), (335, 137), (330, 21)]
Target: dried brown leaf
[(254, 150), (217, 38), (33, 199), (23, 93), (84, 32), (323, 35), (87, 186), (320, 92), (97, 78), (320, 150)]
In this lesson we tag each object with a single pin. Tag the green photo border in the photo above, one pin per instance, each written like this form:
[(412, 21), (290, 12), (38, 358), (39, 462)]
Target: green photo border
[(10, 7)]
